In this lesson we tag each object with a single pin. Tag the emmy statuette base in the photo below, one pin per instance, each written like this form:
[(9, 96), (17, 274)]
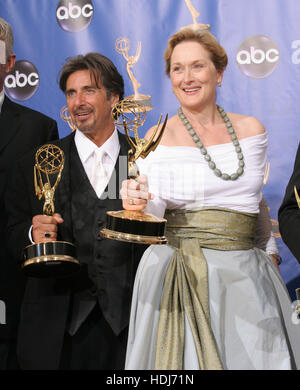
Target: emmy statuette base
[(134, 226), (134, 238), (50, 259)]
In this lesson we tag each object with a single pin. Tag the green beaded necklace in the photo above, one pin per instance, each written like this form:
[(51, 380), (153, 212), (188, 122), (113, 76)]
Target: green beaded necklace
[(203, 150)]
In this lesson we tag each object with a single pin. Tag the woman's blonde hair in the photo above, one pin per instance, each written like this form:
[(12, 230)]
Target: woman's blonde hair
[(205, 39)]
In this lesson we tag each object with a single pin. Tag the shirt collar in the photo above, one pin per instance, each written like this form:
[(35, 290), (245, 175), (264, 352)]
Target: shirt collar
[(86, 147), (1, 98)]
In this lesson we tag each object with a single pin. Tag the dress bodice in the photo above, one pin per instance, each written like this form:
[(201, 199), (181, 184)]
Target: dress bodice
[(180, 178)]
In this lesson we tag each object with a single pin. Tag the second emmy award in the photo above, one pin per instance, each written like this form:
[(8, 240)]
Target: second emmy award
[(128, 225)]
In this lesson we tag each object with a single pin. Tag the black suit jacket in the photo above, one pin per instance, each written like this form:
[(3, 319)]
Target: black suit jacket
[(21, 130), (289, 212), (47, 301)]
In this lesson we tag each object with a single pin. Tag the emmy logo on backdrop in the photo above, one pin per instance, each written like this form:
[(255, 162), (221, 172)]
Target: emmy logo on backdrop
[(129, 225), (195, 14), (65, 116), (122, 46), (54, 258)]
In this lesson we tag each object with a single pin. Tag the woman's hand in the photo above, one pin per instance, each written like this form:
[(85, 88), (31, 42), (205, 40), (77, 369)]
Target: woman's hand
[(135, 193)]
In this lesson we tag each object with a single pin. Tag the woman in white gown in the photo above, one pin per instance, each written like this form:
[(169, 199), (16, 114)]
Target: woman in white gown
[(212, 298)]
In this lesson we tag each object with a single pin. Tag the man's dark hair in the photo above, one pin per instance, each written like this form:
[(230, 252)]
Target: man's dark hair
[(100, 67)]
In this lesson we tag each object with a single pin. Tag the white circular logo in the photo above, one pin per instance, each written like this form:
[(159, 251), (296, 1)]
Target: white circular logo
[(257, 56), (74, 15), (23, 81)]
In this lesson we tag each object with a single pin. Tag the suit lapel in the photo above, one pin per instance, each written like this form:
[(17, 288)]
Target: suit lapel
[(121, 167), (10, 122), (82, 183), (124, 146)]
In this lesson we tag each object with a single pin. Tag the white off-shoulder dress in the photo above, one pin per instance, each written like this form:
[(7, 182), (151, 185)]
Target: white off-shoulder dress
[(251, 312)]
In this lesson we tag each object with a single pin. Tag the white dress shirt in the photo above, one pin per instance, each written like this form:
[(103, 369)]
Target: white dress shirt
[(87, 148)]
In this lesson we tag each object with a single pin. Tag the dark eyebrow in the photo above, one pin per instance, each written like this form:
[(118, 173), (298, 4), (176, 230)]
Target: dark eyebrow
[(83, 88), (69, 90), (90, 86)]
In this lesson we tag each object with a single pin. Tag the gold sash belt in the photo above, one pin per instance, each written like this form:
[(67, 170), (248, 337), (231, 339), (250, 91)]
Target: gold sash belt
[(186, 284)]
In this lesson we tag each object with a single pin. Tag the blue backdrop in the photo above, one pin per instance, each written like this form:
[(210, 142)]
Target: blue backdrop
[(261, 37)]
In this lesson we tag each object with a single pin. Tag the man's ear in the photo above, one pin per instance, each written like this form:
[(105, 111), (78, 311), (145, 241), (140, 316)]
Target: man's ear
[(10, 63), (114, 99)]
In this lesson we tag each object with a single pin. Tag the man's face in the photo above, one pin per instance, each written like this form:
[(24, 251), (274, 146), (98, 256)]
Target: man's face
[(5, 65), (88, 105)]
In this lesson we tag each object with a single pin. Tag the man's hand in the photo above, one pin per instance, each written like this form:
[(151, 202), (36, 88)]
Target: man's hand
[(44, 227)]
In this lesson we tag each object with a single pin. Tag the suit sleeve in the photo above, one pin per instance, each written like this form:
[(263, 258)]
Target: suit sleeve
[(19, 212), (50, 132), (53, 131), (289, 213)]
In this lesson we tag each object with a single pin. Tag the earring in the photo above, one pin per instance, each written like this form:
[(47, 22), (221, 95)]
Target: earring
[(219, 84)]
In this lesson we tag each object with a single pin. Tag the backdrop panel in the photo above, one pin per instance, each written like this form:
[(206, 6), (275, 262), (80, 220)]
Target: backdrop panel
[(261, 37)]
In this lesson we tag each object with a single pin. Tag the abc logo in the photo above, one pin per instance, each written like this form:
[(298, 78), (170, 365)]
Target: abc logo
[(257, 56), (22, 82), (74, 15)]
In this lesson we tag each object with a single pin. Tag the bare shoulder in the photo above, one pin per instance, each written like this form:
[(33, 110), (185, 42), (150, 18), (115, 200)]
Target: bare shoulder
[(150, 132), (171, 123), (246, 126)]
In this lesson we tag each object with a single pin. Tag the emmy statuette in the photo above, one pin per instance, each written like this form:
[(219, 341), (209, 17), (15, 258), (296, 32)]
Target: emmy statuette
[(129, 225), (122, 46), (195, 14), (54, 258)]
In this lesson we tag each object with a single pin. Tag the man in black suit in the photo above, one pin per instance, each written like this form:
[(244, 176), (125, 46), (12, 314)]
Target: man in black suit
[(79, 321), (21, 129), (289, 212)]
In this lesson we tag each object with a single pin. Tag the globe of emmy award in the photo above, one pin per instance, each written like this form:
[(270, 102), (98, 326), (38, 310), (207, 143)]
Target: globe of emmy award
[(52, 258), (66, 117), (129, 225)]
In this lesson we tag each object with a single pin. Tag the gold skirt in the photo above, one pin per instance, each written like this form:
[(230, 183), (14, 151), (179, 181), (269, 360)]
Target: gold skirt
[(245, 310)]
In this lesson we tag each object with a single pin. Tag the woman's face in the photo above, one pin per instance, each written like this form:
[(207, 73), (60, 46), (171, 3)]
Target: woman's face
[(193, 75)]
